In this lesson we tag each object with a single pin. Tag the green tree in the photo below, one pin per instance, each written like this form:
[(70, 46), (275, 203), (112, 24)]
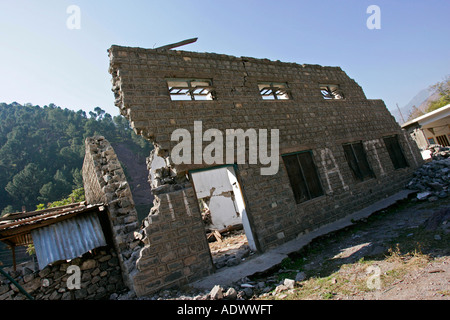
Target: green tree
[(444, 91), (42, 150), (22, 188)]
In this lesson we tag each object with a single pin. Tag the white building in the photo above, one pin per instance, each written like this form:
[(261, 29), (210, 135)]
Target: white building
[(430, 128)]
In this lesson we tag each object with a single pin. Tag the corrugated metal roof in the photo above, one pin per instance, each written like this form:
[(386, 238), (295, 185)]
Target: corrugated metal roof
[(67, 239), (25, 218), (15, 228)]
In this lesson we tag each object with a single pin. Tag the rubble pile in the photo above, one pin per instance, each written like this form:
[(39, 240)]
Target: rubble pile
[(439, 152), (244, 289), (432, 179)]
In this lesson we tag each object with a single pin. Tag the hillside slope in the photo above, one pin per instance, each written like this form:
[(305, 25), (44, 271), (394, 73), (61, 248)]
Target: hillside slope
[(42, 151)]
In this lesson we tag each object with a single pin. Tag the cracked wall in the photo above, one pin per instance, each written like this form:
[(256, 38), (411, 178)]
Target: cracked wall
[(104, 182), (306, 122)]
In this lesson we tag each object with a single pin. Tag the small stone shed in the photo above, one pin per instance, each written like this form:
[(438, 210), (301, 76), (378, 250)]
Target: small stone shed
[(338, 151), (75, 235), (97, 235)]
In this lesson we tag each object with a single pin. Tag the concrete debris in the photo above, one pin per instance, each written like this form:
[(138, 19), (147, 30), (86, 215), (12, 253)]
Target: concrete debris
[(233, 250)]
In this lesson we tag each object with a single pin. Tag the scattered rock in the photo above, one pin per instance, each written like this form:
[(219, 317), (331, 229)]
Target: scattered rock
[(280, 288), (289, 283), (433, 178), (300, 276), (248, 292), (216, 293), (423, 195), (231, 294)]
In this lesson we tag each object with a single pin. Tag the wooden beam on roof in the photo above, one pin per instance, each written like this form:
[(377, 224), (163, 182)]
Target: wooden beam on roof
[(177, 44)]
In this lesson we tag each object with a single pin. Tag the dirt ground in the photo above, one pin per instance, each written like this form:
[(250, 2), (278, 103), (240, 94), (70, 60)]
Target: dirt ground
[(399, 253)]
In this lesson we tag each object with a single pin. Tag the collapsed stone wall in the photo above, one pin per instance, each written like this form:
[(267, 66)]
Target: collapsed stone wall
[(100, 276), (105, 182), (307, 122), (176, 251), (170, 249)]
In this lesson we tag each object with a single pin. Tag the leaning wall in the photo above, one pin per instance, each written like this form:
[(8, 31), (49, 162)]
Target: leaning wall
[(306, 122)]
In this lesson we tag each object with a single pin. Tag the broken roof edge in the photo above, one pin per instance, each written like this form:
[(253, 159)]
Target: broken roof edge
[(37, 217), (215, 55)]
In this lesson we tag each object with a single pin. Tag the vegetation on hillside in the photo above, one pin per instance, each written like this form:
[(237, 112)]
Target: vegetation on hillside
[(42, 151), (439, 99), (444, 90)]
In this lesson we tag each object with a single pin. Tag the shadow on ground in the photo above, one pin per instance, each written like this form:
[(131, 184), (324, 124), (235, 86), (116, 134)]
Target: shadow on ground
[(405, 228)]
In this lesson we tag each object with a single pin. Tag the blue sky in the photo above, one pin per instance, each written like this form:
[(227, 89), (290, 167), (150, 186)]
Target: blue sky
[(42, 61)]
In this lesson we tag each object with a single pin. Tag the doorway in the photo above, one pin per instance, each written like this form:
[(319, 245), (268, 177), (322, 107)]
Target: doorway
[(224, 214)]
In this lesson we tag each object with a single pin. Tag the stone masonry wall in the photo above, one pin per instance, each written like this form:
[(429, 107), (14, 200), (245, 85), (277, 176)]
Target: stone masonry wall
[(105, 182), (100, 277), (171, 248), (307, 121), (176, 250)]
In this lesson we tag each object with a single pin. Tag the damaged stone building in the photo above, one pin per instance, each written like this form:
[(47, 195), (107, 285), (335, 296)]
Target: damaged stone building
[(338, 152)]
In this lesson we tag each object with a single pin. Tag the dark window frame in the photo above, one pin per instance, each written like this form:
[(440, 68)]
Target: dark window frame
[(331, 92), (395, 152), (303, 176), (274, 90), (442, 140), (356, 157)]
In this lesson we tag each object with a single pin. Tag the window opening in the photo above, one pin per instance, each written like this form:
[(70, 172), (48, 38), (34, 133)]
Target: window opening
[(395, 152), (274, 91), (442, 140), (331, 91), (191, 89), (303, 176), (357, 161)]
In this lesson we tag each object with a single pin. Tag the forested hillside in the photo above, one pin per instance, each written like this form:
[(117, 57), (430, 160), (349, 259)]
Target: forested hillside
[(42, 150), (439, 98)]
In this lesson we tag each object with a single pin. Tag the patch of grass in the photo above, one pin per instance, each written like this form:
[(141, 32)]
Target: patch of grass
[(444, 292), (352, 279), (410, 250)]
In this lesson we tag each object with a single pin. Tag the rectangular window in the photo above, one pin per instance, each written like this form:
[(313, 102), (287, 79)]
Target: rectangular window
[(395, 152), (443, 141), (357, 161), (331, 91), (431, 141), (190, 89), (274, 91), (303, 176)]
